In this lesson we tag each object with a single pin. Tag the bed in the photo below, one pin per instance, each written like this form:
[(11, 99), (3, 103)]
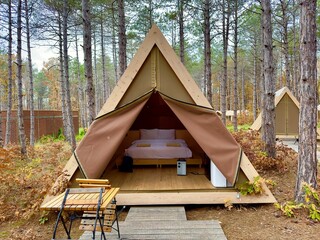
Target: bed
[(159, 147)]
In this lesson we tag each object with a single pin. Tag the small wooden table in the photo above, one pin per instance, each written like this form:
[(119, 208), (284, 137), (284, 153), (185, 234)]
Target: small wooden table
[(96, 200)]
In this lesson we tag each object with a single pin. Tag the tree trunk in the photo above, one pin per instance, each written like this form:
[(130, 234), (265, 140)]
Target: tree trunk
[(268, 112), (255, 94), (32, 140), (284, 9), (80, 87), (22, 135), (1, 138), (72, 137), (104, 71), (181, 29), (96, 79), (114, 47), (294, 58), (262, 79), (205, 74), (150, 9), (225, 36), (243, 95), (207, 57), (9, 99), (307, 155), (122, 39), (88, 58), (235, 89), (62, 84)]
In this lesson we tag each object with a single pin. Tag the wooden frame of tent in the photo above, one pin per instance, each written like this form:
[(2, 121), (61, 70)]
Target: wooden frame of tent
[(156, 70), (287, 115)]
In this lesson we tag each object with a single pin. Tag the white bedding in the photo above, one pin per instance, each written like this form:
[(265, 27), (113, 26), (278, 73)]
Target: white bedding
[(159, 149)]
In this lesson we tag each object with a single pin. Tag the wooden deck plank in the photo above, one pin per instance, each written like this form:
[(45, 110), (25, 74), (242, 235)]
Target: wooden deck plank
[(192, 197)]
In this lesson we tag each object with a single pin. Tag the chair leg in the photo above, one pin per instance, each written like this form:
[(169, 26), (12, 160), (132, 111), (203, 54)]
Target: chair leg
[(118, 229), (116, 212), (56, 225), (65, 227), (98, 216), (60, 216), (101, 221)]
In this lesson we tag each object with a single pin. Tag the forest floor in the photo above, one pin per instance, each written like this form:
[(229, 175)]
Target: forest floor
[(24, 183)]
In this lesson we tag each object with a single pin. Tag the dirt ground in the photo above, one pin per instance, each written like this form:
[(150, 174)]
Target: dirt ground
[(260, 221)]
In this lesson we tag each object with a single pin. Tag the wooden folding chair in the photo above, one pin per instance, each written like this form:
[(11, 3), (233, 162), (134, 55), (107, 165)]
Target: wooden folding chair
[(110, 213), (82, 199)]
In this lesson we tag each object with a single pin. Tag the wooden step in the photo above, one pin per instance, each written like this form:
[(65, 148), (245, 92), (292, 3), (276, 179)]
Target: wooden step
[(167, 230), (168, 223), (156, 213), (87, 236)]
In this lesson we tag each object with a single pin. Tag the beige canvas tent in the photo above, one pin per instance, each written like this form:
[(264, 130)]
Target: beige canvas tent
[(157, 92), (287, 115)]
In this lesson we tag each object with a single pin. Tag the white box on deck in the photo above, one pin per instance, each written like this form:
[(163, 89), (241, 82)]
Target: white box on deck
[(217, 178), (181, 167)]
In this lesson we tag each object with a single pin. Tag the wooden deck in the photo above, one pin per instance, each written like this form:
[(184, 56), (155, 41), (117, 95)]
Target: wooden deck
[(163, 223), (149, 185), (150, 178)]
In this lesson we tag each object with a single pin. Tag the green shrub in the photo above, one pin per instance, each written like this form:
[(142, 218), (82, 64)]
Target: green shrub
[(82, 132)]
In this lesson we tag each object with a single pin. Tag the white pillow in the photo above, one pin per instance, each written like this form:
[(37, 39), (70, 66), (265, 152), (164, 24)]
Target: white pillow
[(148, 133), (166, 134)]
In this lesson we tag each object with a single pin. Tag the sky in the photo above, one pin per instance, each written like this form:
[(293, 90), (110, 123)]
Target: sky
[(41, 54)]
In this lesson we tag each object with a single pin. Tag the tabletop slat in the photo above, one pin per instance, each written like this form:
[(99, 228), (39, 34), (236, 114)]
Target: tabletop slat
[(81, 201), (53, 202)]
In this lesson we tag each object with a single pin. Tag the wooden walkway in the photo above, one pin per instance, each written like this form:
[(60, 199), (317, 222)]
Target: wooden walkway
[(163, 223)]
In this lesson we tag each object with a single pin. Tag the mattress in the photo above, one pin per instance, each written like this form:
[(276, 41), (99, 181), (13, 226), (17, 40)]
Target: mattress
[(159, 149)]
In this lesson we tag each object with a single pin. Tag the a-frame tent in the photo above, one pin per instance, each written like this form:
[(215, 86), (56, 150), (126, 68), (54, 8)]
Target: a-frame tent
[(156, 91), (287, 115)]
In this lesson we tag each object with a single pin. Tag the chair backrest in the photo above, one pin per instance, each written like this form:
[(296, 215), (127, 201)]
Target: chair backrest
[(93, 183)]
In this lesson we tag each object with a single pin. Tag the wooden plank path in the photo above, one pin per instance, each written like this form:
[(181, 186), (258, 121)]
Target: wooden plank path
[(163, 223)]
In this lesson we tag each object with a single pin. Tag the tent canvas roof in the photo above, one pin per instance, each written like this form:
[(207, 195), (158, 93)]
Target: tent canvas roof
[(157, 69)]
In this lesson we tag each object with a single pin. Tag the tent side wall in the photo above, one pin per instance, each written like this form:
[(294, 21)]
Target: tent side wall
[(140, 84), (168, 82), (287, 117), (293, 118), (156, 73), (281, 116)]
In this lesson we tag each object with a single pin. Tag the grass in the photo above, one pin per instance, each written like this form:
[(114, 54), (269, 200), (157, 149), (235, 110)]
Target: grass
[(240, 127)]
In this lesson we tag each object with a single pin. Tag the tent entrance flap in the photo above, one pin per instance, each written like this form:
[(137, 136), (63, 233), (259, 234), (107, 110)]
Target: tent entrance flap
[(104, 136), (108, 131), (209, 132)]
